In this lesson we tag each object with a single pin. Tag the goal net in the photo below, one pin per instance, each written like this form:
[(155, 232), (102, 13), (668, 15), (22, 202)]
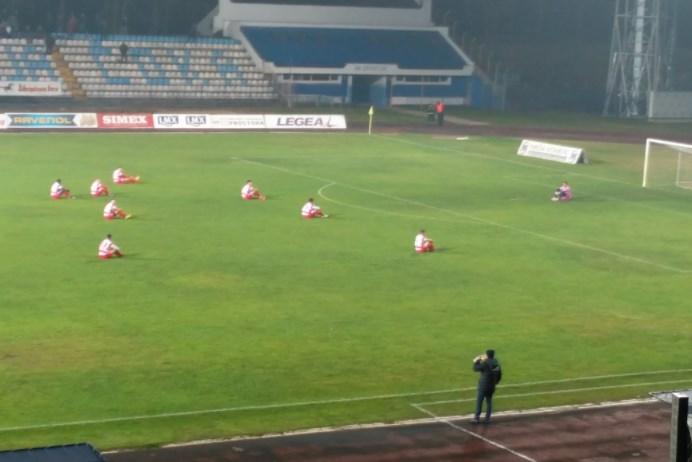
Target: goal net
[(667, 164)]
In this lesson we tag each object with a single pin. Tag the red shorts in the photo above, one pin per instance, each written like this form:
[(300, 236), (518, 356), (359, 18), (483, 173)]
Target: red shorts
[(109, 216), (248, 197), (106, 256)]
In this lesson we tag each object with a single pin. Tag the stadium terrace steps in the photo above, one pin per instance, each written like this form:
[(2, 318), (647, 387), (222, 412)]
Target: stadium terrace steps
[(164, 67), (71, 83)]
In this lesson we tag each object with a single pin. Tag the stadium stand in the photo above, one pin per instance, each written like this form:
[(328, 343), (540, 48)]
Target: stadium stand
[(336, 47), (25, 59), (163, 67)]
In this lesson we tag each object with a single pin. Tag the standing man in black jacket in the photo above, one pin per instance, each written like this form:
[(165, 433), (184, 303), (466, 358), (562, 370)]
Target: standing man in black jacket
[(491, 374)]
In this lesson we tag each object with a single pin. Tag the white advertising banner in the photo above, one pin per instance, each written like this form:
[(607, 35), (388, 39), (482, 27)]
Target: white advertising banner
[(249, 121), (305, 121), (236, 122), (52, 88), (4, 121), (554, 152)]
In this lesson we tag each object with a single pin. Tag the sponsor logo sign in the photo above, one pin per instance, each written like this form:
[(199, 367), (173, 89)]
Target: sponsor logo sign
[(554, 152), (126, 121), (57, 120), (236, 122), (305, 121), (51, 88), (4, 121), (181, 121)]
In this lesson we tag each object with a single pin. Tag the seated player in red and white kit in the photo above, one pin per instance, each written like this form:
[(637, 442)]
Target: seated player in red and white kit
[(422, 244), (58, 191), (249, 192), (310, 210), (98, 189), (563, 193), (111, 211), (108, 249), (120, 177)]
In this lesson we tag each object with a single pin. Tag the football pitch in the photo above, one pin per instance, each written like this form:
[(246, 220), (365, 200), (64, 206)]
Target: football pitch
[(229, 317)]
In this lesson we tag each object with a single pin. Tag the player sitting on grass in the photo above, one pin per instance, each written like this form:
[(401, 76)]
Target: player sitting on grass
[(120, 177), (563, 193), (111, 211), (58, 191), (98, 189), (249, 192), (310, 210), (422, 244), (108, 249)]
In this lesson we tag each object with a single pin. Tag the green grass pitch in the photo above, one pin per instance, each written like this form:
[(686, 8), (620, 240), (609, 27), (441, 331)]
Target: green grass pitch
[(247, 319)]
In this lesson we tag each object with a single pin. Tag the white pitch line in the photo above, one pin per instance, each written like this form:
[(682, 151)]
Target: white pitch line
[(474, 434), (329, 401), (560, 392), (484, 221), (320, 193)]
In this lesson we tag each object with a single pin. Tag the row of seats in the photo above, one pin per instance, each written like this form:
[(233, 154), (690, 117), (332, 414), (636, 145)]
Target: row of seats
[(177, 88), (19, 76), (252, 84), (235, 57), (244, 95), (22, 41), (133, 69), (99, 74), (159, 41)]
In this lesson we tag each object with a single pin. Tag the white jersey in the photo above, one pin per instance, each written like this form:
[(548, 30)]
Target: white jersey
[(110, 209), (420, 241), (107, 246), (118, 173), (247, 190), (56, 188), (308, 208), (95, 186)]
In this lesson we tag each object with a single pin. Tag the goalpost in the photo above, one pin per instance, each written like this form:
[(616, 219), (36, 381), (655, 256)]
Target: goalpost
[(667, 164)]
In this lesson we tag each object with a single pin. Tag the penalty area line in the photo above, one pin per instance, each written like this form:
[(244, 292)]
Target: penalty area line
[(473, 434)]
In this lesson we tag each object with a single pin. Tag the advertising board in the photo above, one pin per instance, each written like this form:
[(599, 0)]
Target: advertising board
[(305, 121), (51, 88), (181, 121), (51, 120), (125, 121), (554, 152)]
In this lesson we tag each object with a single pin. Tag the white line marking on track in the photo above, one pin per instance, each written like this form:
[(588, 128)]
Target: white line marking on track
[(409, 422), (484, 221), (328, 401), (560, 392), (474, 434)]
